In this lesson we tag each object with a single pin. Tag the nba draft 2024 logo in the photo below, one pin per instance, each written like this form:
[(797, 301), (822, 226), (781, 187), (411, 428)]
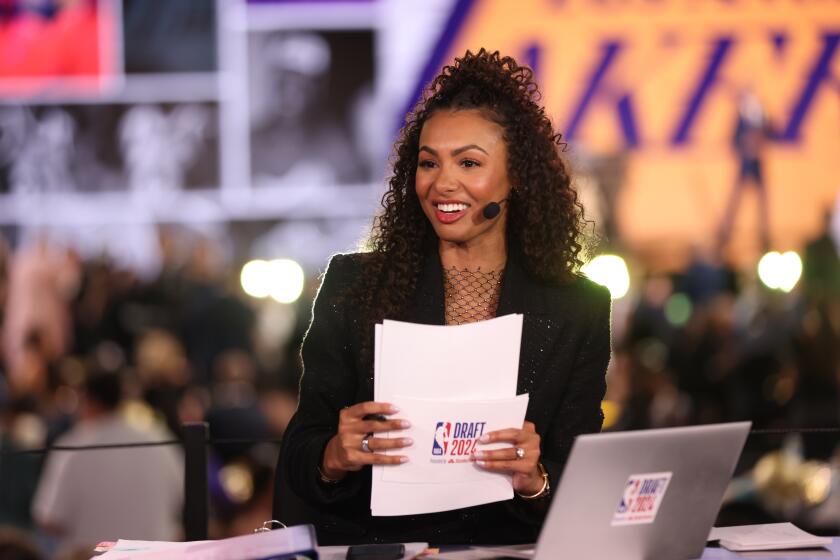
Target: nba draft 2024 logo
[(643, 494), (454, 442)]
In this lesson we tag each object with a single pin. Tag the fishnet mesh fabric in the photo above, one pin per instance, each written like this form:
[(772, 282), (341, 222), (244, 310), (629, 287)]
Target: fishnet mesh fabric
[(471, 295)]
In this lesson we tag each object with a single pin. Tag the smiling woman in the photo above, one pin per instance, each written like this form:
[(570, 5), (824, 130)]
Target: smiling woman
[(479, 220), (456, 180)]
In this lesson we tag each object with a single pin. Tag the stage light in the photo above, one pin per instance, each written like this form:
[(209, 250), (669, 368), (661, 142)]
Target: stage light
[(256, 278), (288, 280), (610, 271), (780, 271)]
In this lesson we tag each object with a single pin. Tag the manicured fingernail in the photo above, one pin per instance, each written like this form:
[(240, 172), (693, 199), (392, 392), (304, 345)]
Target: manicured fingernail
[(407, 441), (481, 463), (479, 454), (403, 459), (484, 439), (393, 409), (405, 424)]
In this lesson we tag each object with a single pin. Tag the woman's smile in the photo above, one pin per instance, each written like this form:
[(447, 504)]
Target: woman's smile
[(449, 212)]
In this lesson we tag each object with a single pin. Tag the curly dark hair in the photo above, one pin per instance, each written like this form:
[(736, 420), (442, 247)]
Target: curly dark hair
[(545, 219)]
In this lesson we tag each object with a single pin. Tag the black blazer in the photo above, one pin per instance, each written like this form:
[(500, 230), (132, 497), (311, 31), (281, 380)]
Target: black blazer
[(563, 360)]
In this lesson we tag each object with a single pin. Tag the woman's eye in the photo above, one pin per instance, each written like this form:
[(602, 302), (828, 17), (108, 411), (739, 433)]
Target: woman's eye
[(470, 163), (426, 164)]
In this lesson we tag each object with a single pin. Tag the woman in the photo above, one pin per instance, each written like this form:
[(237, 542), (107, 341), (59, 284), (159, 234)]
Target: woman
[(480, 220)]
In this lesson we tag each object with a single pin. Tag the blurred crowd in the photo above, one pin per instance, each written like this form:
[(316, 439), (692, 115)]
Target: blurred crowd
[(94, 354), (713, 344)]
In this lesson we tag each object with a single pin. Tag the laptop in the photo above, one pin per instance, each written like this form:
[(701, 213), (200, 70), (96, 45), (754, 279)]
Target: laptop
[(639, 495)]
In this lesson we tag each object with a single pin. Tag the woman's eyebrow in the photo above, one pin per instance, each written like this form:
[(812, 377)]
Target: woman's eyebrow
[(456, 151)]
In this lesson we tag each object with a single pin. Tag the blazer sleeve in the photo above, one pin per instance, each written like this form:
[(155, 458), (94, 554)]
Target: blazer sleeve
[(327, 385), (579, 411)]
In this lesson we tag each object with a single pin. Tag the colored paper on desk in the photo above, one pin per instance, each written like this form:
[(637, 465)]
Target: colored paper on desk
[(446, 434), (468, 362)]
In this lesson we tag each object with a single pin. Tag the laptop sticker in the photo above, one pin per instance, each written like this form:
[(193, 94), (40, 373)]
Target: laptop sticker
[(642, 497)]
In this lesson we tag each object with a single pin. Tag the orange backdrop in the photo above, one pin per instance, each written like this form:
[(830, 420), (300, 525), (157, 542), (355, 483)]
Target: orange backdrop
[(660, 78)]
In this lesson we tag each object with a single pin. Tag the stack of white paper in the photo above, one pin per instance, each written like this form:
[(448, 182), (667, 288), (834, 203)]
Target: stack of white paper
[(769, 536), (456, 378), (269, 544)]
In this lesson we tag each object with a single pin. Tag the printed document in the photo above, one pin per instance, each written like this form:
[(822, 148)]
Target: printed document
[(446, 433), (476, 361)]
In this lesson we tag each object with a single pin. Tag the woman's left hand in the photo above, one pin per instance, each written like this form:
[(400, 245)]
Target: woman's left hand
[(527, 478)]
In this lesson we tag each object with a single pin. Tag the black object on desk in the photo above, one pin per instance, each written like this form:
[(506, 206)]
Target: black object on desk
[(393, 551), (196, 496)]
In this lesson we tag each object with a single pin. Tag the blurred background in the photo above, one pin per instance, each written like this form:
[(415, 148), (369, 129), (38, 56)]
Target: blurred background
[(175, 175)]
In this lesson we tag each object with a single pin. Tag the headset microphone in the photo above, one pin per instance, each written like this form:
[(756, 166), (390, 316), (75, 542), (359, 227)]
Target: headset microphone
[(492, 210)]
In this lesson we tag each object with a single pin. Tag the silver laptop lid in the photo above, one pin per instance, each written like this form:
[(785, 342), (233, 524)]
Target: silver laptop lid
[(648, 494)]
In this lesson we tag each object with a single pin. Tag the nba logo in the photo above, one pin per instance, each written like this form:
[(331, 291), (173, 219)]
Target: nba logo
[(441, 441), (630, 490)]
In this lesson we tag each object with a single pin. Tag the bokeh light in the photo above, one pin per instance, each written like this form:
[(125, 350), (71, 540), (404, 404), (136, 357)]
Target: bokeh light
[(256, 278), (287, 280), (678, 309), (281, 279), (780, 271), (610, 271)]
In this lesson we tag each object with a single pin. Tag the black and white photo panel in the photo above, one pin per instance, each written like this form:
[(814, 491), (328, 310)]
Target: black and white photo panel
[(88, 148), (311, 108)]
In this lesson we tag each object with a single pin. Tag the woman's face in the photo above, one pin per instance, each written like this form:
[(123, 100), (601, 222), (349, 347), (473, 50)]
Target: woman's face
[(461, 168)]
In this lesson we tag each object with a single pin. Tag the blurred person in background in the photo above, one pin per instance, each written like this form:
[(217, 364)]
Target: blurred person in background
[(20, 429), (164, 373), (816, 343), (42, 281), (821, 266), (213, 316), (751, 134), (88, 496), (236, 412), (644, 390)]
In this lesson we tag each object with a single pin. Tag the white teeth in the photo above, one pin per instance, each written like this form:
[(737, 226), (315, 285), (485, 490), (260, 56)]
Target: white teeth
[(453, 207)]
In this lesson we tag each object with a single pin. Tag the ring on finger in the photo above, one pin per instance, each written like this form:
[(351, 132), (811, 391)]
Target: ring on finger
[(366, 443), (520, 453)]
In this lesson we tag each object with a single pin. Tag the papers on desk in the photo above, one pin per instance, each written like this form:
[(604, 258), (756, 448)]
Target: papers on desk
[(299, 540), (467, 374), (769, 536)]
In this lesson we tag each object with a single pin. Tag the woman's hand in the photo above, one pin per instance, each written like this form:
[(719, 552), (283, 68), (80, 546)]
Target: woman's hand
[(344, 452), (527, 478)]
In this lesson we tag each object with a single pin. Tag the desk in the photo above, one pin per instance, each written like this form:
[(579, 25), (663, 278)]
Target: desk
[(709, 554), (723, 554)]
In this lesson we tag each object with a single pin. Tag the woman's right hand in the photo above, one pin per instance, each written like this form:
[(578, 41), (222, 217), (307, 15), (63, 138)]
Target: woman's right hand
[(344, 451)]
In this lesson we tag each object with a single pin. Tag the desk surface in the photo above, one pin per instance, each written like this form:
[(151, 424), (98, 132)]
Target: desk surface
[(833, 551), (339, 553), (723, 554)]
